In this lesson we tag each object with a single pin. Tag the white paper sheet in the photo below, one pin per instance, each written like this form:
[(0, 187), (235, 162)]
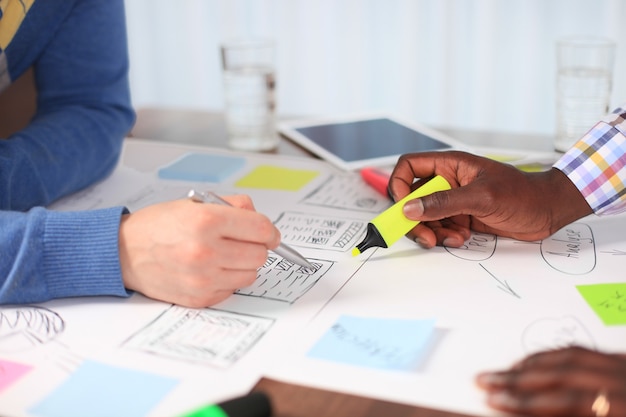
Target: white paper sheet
[(493, 301)]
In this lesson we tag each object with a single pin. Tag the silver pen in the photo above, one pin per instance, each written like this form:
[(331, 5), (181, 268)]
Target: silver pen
[(283, 250)]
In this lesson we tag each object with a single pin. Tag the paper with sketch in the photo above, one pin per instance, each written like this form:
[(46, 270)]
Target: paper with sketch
[(216, 338), (494, 300), (346, 192), (125, 187), (198, 348), (282, 280), (320, 232)]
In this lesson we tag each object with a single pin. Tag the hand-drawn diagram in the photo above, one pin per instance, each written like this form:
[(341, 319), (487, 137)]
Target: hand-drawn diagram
[(26, 327), (282, 280), (347, 192), (319, 232), (213, 337), (571, 250), (555, 333), (480, 247)]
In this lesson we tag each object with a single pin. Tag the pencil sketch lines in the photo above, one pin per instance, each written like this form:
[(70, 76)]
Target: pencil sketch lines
[(319, 232), (347, 192), (284, 265), (282, 280), (349, 235), (212, 337), (555, 333), (571, 250), (479, 247), (614, 252), (27, 327), (504, 286)]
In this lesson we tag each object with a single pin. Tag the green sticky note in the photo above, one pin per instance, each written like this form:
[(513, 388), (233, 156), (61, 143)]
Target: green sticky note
[(277, 178), (607, 300)]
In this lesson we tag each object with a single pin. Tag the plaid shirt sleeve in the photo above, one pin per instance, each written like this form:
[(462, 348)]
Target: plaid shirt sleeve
[(596, 164)]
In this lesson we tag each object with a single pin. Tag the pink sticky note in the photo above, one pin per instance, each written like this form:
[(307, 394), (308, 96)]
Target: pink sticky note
[(11, 372)]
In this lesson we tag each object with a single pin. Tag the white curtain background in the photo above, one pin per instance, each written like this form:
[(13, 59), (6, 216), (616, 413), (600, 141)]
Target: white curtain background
[(469, 64)]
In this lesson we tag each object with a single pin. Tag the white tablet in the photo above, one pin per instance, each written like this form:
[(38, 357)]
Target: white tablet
[(356, 142)]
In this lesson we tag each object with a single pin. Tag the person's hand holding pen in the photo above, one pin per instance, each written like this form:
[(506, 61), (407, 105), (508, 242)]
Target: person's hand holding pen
[(193, 254)]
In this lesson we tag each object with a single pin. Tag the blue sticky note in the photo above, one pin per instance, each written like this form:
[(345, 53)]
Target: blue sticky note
[(201, 167), (100, 390), (382, 343)]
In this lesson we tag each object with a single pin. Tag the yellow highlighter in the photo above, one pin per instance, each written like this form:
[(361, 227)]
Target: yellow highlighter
[(390, 225)]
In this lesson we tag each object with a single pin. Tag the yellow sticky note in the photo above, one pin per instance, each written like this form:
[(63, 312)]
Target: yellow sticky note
[(607, 300), (504, 158), (534, 167), (277, 178)]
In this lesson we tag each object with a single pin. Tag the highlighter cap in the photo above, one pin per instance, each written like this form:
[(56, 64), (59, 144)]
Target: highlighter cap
[(372, 239)]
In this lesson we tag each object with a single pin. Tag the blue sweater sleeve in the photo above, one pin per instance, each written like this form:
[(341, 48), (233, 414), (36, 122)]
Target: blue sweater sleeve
[(47, 254), (79, 53)]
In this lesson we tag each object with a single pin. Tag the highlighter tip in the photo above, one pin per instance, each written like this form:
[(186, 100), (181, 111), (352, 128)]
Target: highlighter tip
[(355, 251)]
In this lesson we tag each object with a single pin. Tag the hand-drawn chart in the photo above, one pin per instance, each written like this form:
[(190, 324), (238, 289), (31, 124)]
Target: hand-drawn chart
[(319, 232), (282, 280), (347, 192), (212, 337)]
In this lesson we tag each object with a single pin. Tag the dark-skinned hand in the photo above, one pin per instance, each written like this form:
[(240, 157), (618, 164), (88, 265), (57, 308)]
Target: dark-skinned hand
[(563, 382), (486, 196)]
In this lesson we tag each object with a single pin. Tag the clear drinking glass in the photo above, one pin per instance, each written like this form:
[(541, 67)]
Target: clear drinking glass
[(584, 83), (250, 94)]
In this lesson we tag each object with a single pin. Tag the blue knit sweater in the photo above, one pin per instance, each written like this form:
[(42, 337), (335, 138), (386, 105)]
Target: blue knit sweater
[(79, 54)]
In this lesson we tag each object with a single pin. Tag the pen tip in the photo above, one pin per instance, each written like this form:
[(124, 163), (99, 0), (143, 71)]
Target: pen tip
[(355, 251)]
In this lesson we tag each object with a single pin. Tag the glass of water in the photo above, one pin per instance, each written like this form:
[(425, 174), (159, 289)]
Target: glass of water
[(250, 94), (584, 82)]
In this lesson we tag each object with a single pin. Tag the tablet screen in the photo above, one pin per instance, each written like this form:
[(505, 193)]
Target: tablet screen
[(369, 139)]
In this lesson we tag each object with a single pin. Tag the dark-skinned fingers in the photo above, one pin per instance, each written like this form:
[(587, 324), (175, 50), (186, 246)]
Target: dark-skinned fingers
[(449, 237), (443, 233), (574, 356), (423, 236), (544, 403), (519, 380), (570, 369)]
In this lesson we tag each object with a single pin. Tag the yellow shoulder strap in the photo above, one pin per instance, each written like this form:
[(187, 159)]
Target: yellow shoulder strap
[(13, 13)]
